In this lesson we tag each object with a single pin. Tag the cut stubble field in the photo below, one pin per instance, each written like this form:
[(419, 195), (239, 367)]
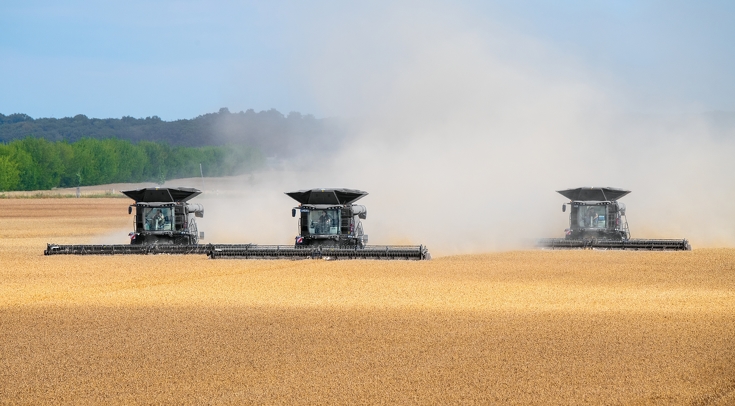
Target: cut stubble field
[(523, 327)]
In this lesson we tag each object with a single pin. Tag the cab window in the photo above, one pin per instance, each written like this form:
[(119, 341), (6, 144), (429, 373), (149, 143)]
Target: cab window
[(324, 222), (591, 216), (157, 218)]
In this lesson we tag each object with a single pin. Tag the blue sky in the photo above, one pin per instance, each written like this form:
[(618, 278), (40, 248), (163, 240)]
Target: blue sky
[(180, 59)]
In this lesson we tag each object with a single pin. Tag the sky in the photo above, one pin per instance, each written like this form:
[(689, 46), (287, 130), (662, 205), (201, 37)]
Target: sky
[(181, 59)]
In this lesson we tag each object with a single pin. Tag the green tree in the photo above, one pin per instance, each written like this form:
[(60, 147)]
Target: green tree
[(131, 162), (66, 155), (9, 173), (156, 168), (107, 160), (28, 173), (47, 164), (31, 163), (96, 161)]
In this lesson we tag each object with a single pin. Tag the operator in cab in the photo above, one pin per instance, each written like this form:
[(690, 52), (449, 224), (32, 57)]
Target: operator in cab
[(158, 220)]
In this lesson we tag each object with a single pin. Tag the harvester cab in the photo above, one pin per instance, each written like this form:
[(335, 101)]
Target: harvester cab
[(597, 221), (328, 217), (596, 213), (164, 216)]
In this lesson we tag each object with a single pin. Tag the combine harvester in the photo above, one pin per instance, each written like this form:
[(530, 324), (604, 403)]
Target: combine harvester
[(163, 224), (597, 221), (329, 228)]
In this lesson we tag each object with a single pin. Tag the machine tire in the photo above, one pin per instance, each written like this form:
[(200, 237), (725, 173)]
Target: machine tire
[(193, 232)]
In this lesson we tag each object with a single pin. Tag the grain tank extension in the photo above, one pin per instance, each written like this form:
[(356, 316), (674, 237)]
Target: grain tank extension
[(597, 220)]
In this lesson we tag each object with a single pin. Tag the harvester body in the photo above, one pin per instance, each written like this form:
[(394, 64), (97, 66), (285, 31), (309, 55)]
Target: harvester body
[(328, 217), (598, 220), (601, 220), (164, 216), (595, 213)]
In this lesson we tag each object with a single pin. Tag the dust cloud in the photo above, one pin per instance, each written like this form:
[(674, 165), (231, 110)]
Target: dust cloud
[(462, 130)]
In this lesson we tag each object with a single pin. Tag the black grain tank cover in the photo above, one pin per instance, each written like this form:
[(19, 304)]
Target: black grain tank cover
[(600, 194), (162, 194), (327, 196)]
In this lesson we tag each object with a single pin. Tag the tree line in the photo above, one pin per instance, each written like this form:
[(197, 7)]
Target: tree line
[(274, 134), (34, 163)]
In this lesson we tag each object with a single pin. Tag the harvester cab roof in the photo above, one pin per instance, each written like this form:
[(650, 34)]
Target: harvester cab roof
[(162, 194), (600, 194), (327, 196)]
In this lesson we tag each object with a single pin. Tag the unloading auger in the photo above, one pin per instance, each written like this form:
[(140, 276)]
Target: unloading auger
[(597, 221), (329, 227)]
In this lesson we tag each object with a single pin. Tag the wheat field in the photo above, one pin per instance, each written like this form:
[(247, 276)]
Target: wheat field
[(525, 327)]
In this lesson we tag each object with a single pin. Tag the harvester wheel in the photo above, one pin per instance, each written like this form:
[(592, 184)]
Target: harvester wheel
[(193, 232)]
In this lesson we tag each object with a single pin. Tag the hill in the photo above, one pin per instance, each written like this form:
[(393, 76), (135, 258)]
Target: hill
[(271, 132)]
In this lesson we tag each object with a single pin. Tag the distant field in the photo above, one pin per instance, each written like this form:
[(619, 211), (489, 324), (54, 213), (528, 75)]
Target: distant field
[(530, 327)]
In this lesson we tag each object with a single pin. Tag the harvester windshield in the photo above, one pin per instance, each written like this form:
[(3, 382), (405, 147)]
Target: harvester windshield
[(158, 218), (591, 217), (324, 222)]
